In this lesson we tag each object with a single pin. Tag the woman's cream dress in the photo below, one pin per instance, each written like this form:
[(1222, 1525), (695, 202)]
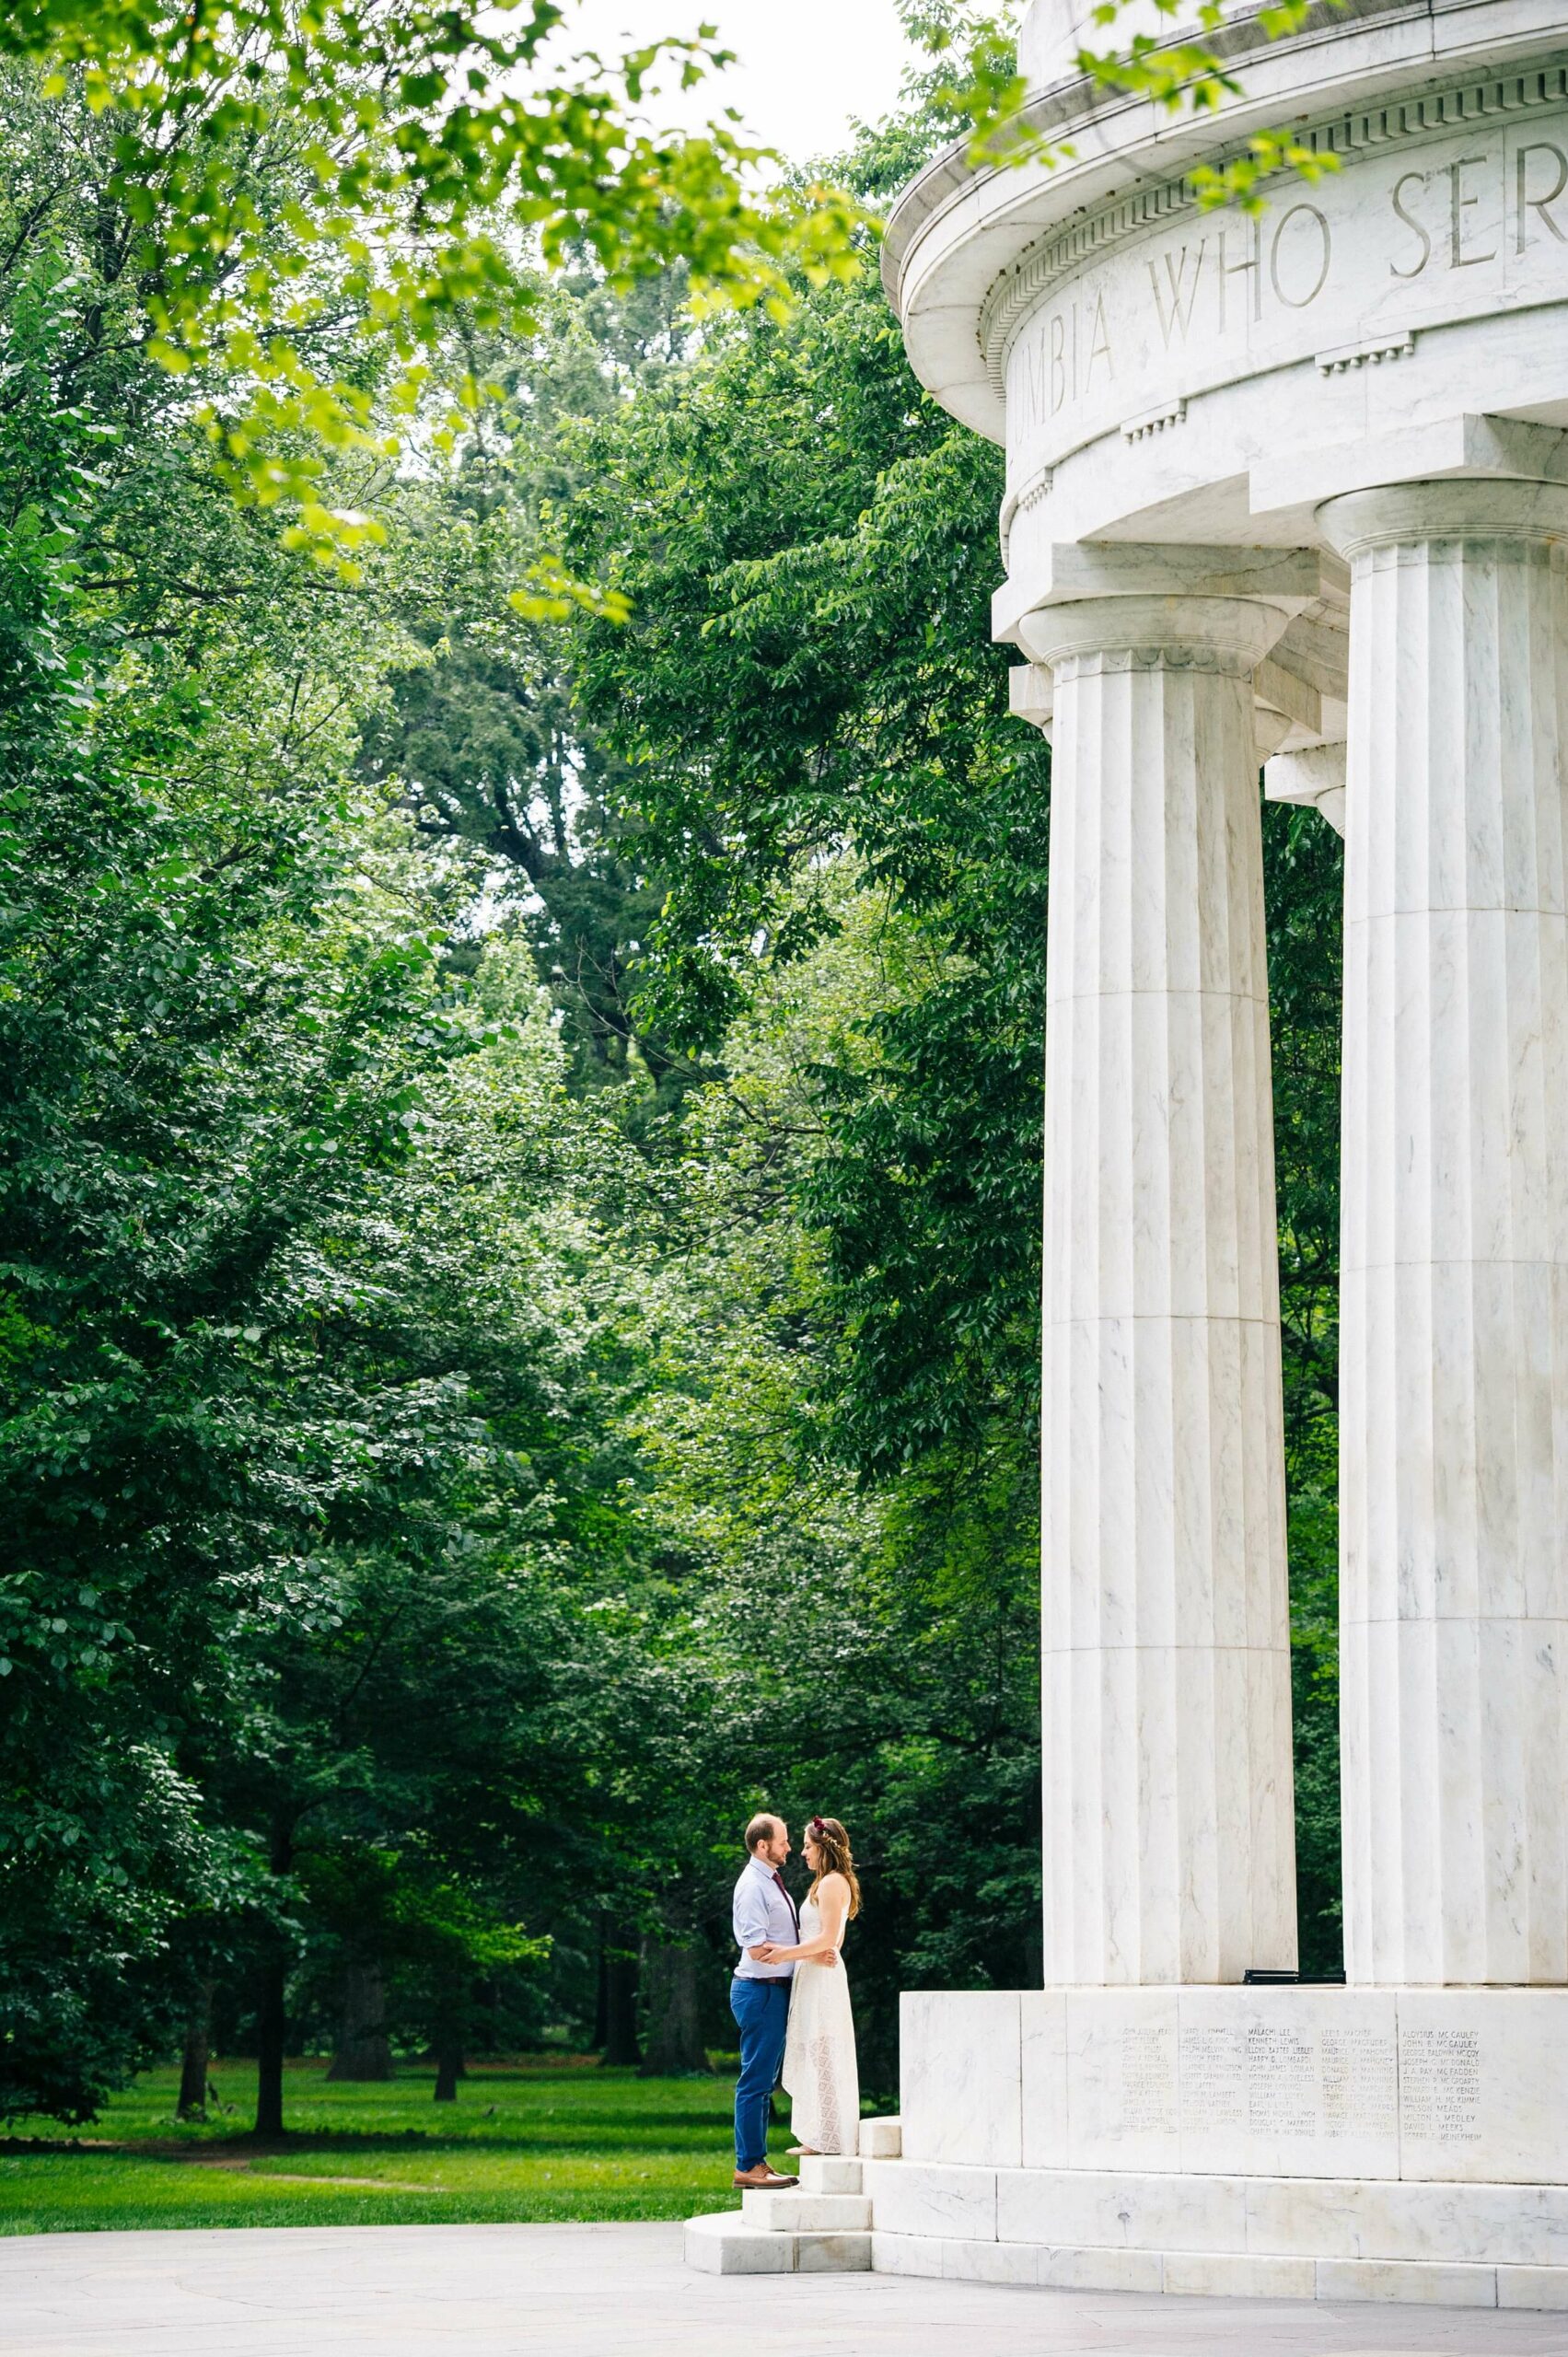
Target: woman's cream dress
[(819, 2074)]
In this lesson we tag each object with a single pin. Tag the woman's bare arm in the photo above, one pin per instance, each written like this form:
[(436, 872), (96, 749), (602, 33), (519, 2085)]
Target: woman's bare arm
[(832, 1900)]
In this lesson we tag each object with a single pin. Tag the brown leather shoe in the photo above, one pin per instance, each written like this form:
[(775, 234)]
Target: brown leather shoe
[(764, 2176)]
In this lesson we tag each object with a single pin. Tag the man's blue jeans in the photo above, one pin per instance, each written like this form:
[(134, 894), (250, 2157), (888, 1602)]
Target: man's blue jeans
[(762, 2011)]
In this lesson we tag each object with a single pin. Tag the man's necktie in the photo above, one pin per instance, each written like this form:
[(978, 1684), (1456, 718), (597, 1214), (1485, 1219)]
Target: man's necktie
[(788, 1901)]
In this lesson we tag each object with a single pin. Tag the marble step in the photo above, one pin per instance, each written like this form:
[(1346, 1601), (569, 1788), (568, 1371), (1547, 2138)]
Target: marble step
[(1250, 2275), (881, 2140), (825, 2173), (807, 2213), (726, 2244)]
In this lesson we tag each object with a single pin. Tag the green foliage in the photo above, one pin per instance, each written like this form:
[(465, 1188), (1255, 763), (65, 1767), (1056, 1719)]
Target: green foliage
[(432, 153), (266, 158), (1303, 883), (484, 728), (809, 549), (243, 1349), (211, 1040), (437, 1936)]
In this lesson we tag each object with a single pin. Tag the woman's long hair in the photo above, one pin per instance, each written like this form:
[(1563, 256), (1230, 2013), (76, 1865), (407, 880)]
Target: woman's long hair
[(834, 1856)]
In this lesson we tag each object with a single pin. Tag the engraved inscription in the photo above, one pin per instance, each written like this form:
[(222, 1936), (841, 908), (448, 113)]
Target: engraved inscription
[(1174, 301), (1148, 2082), (1310, 251), (1544, 199), (1361, 2083), (1478, 218), (1440, 2085), (1213, 2076), (1281, 2081), (1400, 265), (1273, 2079)]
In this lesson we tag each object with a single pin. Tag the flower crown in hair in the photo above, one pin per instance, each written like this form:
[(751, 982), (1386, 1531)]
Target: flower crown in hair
[(817, 1826)]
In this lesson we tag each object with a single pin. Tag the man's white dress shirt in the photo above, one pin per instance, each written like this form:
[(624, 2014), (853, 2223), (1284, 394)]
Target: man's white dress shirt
[(761, 1913)]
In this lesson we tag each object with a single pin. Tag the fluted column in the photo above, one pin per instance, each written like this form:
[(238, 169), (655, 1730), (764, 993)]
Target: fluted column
[(1168, 1843), (1454, 1322)]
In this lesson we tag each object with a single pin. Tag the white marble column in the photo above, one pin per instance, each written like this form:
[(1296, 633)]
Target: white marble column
[(1454, 1352), (1169, 1851)]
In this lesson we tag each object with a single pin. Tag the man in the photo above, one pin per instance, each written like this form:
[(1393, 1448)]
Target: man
[(767, 1929)]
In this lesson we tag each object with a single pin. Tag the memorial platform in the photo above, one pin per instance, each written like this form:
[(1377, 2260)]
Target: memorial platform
[(1279, 2143)]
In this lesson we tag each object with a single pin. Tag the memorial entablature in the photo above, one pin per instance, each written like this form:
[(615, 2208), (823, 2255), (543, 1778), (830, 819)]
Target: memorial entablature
[(1162, 372)]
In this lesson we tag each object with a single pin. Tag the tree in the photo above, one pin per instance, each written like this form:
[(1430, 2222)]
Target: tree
[(442, 151), (819, 1647), (483, 726), (211, 1039), (312, 1370), (1303, 883), (809, 549)]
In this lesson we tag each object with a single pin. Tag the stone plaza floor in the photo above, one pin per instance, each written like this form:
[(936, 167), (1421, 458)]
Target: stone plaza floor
[(593, 2291)]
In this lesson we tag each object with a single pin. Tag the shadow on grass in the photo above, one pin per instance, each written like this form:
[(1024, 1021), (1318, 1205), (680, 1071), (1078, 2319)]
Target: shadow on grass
[(606, 2132)]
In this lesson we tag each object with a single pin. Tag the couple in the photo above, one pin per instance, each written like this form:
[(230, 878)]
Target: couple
[(790, 1998)]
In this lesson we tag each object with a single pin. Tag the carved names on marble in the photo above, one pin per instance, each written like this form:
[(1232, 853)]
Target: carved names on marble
[(1440, 2086), (1150, 2101), (1361, 2082), (1290, 2080), (1213, 2074)]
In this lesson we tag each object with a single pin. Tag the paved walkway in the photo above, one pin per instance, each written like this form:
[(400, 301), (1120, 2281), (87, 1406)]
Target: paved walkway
[(596, 2291)]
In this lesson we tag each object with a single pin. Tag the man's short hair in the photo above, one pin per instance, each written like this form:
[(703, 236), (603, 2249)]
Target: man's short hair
[(761, 1829)]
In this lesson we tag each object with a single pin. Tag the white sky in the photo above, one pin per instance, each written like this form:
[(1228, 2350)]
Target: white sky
[(805, 67)]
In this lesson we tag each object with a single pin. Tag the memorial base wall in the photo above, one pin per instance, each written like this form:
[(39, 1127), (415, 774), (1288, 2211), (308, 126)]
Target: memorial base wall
[(1303, 2142)]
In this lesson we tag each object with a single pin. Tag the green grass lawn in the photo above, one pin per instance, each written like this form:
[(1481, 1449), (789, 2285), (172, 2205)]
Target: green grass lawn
[(532, 2142)]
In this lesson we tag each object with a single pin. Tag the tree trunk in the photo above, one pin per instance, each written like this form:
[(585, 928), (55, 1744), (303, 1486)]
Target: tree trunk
[(673, 2045), (270, 2027), (363, 2051), (449, 2069), (193, 2104), (600, 2038), (272, 1995), (620, 2046)]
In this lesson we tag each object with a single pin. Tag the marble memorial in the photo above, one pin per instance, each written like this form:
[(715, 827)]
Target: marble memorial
[(1288, 489)]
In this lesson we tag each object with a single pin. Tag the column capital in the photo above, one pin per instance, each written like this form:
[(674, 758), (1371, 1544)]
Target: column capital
[(1455, 508), (1313, 777), (1287, 580), (1031, 695), (1470, 444), (1153, 633)]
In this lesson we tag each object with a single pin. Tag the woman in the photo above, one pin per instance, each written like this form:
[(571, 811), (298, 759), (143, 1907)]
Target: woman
[(819, 2074)]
